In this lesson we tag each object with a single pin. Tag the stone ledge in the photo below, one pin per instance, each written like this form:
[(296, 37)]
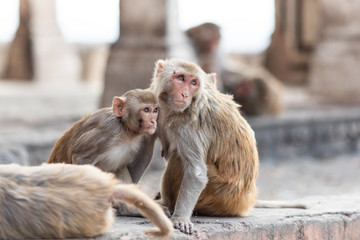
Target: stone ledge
[(310, 133), (332, 217), (316, 133)]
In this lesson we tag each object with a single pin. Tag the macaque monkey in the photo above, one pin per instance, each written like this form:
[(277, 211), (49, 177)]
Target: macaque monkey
[(205, 39), (67, 201), (115, 139), (255, 89), (211, 153)]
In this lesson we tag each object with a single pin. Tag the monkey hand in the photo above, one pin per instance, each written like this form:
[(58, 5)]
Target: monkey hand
[(166, 211), (183, 224)]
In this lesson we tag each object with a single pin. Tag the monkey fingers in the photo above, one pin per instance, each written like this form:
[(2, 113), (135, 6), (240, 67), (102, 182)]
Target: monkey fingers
[(166, 211), (184, 225)]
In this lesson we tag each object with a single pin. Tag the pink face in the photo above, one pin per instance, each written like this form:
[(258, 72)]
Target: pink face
[(183, 89), (148, 116)]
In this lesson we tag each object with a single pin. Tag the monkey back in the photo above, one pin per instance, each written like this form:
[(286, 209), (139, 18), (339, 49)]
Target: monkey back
[(54, 201)]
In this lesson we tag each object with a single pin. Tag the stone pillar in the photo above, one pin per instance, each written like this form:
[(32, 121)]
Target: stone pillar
[(19, 63), (144, 38), (294, 38), (54, 59), (335, 71)]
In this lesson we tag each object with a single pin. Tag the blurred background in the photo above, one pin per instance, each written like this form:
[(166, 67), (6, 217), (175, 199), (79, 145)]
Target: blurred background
[(293, 65)]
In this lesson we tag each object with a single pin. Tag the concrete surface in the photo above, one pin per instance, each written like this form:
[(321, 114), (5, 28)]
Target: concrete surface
[(330, 217)]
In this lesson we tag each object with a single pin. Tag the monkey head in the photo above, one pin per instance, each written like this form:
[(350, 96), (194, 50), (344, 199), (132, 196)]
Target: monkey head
[(138, 110), (205, 38), (177, 83)]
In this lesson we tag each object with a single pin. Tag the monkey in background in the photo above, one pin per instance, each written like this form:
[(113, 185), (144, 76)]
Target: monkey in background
[(254, 88), (118, 139), (67, 201), (211, 153)]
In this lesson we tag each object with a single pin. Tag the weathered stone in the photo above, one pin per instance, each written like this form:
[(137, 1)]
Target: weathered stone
[(295, 36), (54, 59), (20, 56), (327, 218), (335, 73)]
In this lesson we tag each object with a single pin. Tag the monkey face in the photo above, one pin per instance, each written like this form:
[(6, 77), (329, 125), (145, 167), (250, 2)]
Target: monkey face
[(177, 83), (138, 109), (183, 87), (148, 116)]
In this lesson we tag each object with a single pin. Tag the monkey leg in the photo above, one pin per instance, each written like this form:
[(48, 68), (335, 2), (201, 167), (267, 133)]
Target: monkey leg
[(130, 194), (170, 183), (224, 199), (123, 209)]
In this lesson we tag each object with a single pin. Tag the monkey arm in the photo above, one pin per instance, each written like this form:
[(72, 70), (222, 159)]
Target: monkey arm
[(142, 159), (193, 183)]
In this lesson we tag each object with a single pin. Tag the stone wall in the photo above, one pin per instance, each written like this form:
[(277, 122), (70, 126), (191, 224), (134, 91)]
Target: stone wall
[(295, 36), (335, 72)]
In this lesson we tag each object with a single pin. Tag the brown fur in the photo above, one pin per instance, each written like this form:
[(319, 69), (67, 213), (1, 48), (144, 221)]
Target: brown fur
[(212, 130), (66, 201)]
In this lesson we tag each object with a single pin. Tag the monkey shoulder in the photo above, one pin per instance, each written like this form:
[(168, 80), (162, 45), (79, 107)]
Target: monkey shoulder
[(95, 130)]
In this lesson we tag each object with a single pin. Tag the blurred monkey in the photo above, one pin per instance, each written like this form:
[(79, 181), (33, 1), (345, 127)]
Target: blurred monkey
[(67, 201)]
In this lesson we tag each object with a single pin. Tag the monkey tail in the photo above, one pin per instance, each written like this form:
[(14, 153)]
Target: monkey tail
[(279, 204), (130, 194)]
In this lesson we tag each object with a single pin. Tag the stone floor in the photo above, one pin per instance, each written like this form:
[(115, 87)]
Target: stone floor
[(332, 217)]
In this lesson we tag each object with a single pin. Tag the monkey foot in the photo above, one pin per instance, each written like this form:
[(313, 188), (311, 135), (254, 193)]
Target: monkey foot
[(183, 224)]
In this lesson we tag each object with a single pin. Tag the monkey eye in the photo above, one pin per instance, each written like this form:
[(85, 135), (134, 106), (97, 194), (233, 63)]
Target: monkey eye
[(146, 109), (181, 77), (155, 110), (193, 82)]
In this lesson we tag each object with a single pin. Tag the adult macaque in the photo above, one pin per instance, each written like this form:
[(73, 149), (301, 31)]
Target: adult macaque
[(115, 139), (211, 153), (67, 201)]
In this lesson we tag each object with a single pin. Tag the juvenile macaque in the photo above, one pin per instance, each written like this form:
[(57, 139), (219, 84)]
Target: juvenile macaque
[(211, 153), (67, 201), (115, 139)]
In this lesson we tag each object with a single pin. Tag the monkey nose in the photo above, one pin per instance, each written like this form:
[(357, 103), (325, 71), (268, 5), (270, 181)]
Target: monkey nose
[(184, 95)]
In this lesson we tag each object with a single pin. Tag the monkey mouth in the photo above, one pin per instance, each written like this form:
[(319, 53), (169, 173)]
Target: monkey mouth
[(179, 103), (149, 130)]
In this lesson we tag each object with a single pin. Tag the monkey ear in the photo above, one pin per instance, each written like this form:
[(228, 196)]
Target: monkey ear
[(159, 67), (212, 77), (119, 108)]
